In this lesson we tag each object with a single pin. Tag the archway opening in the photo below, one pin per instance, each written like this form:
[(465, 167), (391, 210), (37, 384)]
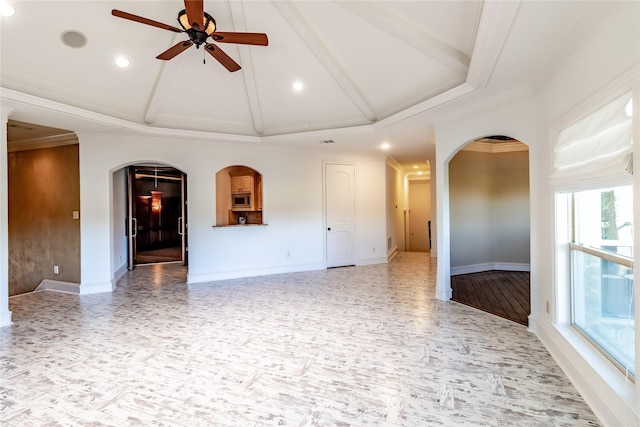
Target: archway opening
[(238, 196), (156, 214), (489, 207)]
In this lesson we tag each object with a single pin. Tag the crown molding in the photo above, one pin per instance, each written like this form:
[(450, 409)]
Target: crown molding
[(44, 142), (6, 112), (394, 164), (493, 148), (582, 25), (414, 176), (11, 99)]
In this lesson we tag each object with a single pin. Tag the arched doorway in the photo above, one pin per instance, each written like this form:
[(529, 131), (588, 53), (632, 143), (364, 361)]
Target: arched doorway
[(490, 226), (156, 215)]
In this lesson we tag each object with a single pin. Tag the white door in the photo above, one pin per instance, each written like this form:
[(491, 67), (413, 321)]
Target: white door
[(340, 214)]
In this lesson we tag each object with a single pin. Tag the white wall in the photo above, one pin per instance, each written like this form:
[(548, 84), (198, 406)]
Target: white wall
[(370, 209), (293, 207), (518, 120), (5, 313), (119, 241), (606, 63)]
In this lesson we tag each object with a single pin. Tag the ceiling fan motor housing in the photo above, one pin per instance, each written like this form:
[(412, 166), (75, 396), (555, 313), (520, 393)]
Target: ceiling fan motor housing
[(197, 35)]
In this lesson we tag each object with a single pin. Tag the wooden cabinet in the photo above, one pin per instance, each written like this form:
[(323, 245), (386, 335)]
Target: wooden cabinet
[(246, 197), (258, 192), (242, 183)]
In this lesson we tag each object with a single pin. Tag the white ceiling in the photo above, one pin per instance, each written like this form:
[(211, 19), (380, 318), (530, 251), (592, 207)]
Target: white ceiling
[(373, 72)]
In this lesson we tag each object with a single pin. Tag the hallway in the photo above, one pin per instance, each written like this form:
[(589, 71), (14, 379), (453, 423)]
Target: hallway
[(349, 346)]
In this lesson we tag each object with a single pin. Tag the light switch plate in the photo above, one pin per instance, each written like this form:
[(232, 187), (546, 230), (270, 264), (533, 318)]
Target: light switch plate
[(76, 214)]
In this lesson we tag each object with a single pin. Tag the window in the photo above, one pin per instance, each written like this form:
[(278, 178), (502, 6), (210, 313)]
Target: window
[(601, 260), (593, 172)]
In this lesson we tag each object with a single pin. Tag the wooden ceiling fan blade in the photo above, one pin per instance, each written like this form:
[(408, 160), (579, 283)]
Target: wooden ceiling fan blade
[(136, 18), (195, 12), (258, 39), (174, 50), (222, 57)]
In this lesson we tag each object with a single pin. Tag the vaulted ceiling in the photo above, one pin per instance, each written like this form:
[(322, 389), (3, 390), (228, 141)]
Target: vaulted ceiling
[(372, 72)]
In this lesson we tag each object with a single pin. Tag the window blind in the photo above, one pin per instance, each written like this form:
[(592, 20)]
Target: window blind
[(596, 151)]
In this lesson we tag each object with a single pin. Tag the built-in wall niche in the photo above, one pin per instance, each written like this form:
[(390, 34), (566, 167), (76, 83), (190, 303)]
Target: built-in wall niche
[(238, 196)]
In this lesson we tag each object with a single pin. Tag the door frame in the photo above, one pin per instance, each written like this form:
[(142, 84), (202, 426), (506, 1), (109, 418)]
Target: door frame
[(131, 221)]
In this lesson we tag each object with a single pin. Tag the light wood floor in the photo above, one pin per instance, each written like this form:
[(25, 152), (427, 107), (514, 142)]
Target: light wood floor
[(358, 346), (503, 293)]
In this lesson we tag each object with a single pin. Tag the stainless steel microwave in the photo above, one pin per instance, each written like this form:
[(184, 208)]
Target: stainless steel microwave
[(240, 201)]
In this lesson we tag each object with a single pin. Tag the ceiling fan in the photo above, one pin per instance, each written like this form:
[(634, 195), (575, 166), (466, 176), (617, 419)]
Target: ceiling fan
[(199, 26)]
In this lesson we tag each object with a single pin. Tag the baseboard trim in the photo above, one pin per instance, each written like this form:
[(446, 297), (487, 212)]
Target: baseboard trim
[(5, 319), (532, 324), (59, 286), (96, 288), (240, 274), (118, 275), (488, 266), (372, 261), (391, 254), (444, 294), (602, 386)]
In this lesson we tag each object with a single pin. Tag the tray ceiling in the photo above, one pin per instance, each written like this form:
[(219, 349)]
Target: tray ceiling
[(370, 70)]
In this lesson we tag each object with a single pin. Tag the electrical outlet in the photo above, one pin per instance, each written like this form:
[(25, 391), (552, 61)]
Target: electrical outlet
[(288, 254), (56, 269)]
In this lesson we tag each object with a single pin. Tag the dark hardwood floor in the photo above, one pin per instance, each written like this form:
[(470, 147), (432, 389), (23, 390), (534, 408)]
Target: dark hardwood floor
[(503, 293)]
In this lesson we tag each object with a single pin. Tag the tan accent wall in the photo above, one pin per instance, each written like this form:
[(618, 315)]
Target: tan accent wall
[(489, 208), (44, 190)]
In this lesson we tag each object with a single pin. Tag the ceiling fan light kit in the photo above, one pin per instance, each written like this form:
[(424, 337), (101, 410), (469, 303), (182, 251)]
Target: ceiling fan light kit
[(199, 26), (197, 35)]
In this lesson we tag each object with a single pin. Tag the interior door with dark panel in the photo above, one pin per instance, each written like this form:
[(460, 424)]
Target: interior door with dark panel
[(157, 212)]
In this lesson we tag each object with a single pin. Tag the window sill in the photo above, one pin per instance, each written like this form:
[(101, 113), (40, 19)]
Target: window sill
[(602, 384)]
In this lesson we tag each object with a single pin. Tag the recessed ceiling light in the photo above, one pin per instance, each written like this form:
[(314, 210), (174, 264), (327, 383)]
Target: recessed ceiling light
[(415, 166), (297, 86), (122, 62), (6, 9), (74, 39), (385, 146)]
